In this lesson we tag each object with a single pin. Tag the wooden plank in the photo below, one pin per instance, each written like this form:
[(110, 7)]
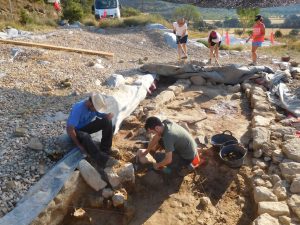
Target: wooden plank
[(53, 47)]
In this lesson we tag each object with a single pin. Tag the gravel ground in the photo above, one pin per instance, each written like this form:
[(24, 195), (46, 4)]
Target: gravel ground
[(33, 96)]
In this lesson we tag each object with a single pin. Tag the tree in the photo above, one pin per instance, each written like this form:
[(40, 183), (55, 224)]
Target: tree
[(247, 16), (189, 12), (292, 21), (232, 23), (267, 22), (72, 11)]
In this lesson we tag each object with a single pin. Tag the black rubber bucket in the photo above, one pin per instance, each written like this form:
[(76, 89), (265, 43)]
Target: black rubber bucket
[(219, 140), (233, 154)]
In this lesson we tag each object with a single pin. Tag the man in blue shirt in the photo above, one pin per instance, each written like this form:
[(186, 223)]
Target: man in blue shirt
[(85, 118)]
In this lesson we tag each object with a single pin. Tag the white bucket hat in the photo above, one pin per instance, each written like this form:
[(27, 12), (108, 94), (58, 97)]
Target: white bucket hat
[(98, 102)]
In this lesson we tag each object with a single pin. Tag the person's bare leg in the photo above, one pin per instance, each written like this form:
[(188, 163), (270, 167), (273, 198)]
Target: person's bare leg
[(184, 49), (211, 53), (254, 54), (179, 51), (217, 52)]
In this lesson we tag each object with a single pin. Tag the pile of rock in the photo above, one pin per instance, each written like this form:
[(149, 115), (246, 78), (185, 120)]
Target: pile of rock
[(276, 170)]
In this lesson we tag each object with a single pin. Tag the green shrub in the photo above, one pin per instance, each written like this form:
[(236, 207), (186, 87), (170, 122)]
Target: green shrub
[(25, 18), (232, 47), (140, 20), (129, 11), (278, 34), (144, 19), (111, 23), (72, 11), (205, 42), (294, 32), (238, 32), (249, 32)]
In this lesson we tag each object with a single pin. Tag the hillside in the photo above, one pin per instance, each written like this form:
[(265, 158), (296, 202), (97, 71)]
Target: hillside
[(166, 9)]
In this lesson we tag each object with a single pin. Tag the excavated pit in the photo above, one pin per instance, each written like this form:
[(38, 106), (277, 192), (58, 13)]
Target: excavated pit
[(175, 199)]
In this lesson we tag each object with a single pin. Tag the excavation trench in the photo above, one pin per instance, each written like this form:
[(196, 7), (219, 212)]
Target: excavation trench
[(164, 199)]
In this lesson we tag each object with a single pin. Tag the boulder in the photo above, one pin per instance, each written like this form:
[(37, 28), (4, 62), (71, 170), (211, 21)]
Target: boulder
[(262, 194), (294, 204), (112, 177), (261, 121), (289, 169), (198, 80), (295, 186), (164, 97), (91, 175), (126, 173), (284, 220), (273, 208), (280, 191), (260, 136), (291, 148), (265, 219)]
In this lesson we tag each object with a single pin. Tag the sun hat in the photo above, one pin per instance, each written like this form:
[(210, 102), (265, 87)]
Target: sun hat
[(98, 102)]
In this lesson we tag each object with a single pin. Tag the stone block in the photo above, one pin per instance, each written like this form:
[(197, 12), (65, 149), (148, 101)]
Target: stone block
[(265, 219), (291, 148), (262, 194), (273, 208)]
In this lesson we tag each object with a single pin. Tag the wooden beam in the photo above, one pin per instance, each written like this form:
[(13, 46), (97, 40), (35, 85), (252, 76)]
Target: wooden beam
[(53, 47)]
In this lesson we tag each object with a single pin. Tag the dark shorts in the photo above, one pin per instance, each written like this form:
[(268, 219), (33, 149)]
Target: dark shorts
[(213, 43), (182, 40)]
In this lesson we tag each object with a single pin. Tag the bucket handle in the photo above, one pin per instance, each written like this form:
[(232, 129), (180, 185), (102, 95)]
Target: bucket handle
[(224, 132)]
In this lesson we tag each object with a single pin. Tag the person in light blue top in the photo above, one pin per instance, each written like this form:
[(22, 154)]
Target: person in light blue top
[(86, 118)]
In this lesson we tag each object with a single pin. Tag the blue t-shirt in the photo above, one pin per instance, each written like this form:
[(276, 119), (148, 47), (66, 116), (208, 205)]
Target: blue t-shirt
[(81, 116)]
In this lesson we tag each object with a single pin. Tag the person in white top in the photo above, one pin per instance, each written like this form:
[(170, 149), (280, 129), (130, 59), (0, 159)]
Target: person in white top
[(214, 42), (180, 29)]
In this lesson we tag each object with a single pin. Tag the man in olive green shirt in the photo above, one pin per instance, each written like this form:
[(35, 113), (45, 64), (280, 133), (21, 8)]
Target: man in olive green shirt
[(175, 140)]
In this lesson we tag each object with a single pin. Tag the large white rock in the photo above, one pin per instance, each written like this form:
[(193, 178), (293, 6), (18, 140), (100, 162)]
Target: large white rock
[(260, 136), (262, 194), (112, 177), (289, 169), (295, 187), (126, 173), (261, 121), (280, 191), (91, 175), (164, 97), (265, 219), (273, 208), (291, 148), (294, 204)]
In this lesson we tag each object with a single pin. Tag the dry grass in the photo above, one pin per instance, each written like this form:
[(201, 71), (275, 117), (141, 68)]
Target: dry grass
[(291, 48)]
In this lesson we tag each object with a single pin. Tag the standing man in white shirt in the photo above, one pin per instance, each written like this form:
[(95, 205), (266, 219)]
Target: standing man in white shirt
[(180, 29)]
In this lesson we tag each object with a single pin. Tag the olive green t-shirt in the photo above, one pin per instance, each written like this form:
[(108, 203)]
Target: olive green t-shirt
[(177, 139)]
